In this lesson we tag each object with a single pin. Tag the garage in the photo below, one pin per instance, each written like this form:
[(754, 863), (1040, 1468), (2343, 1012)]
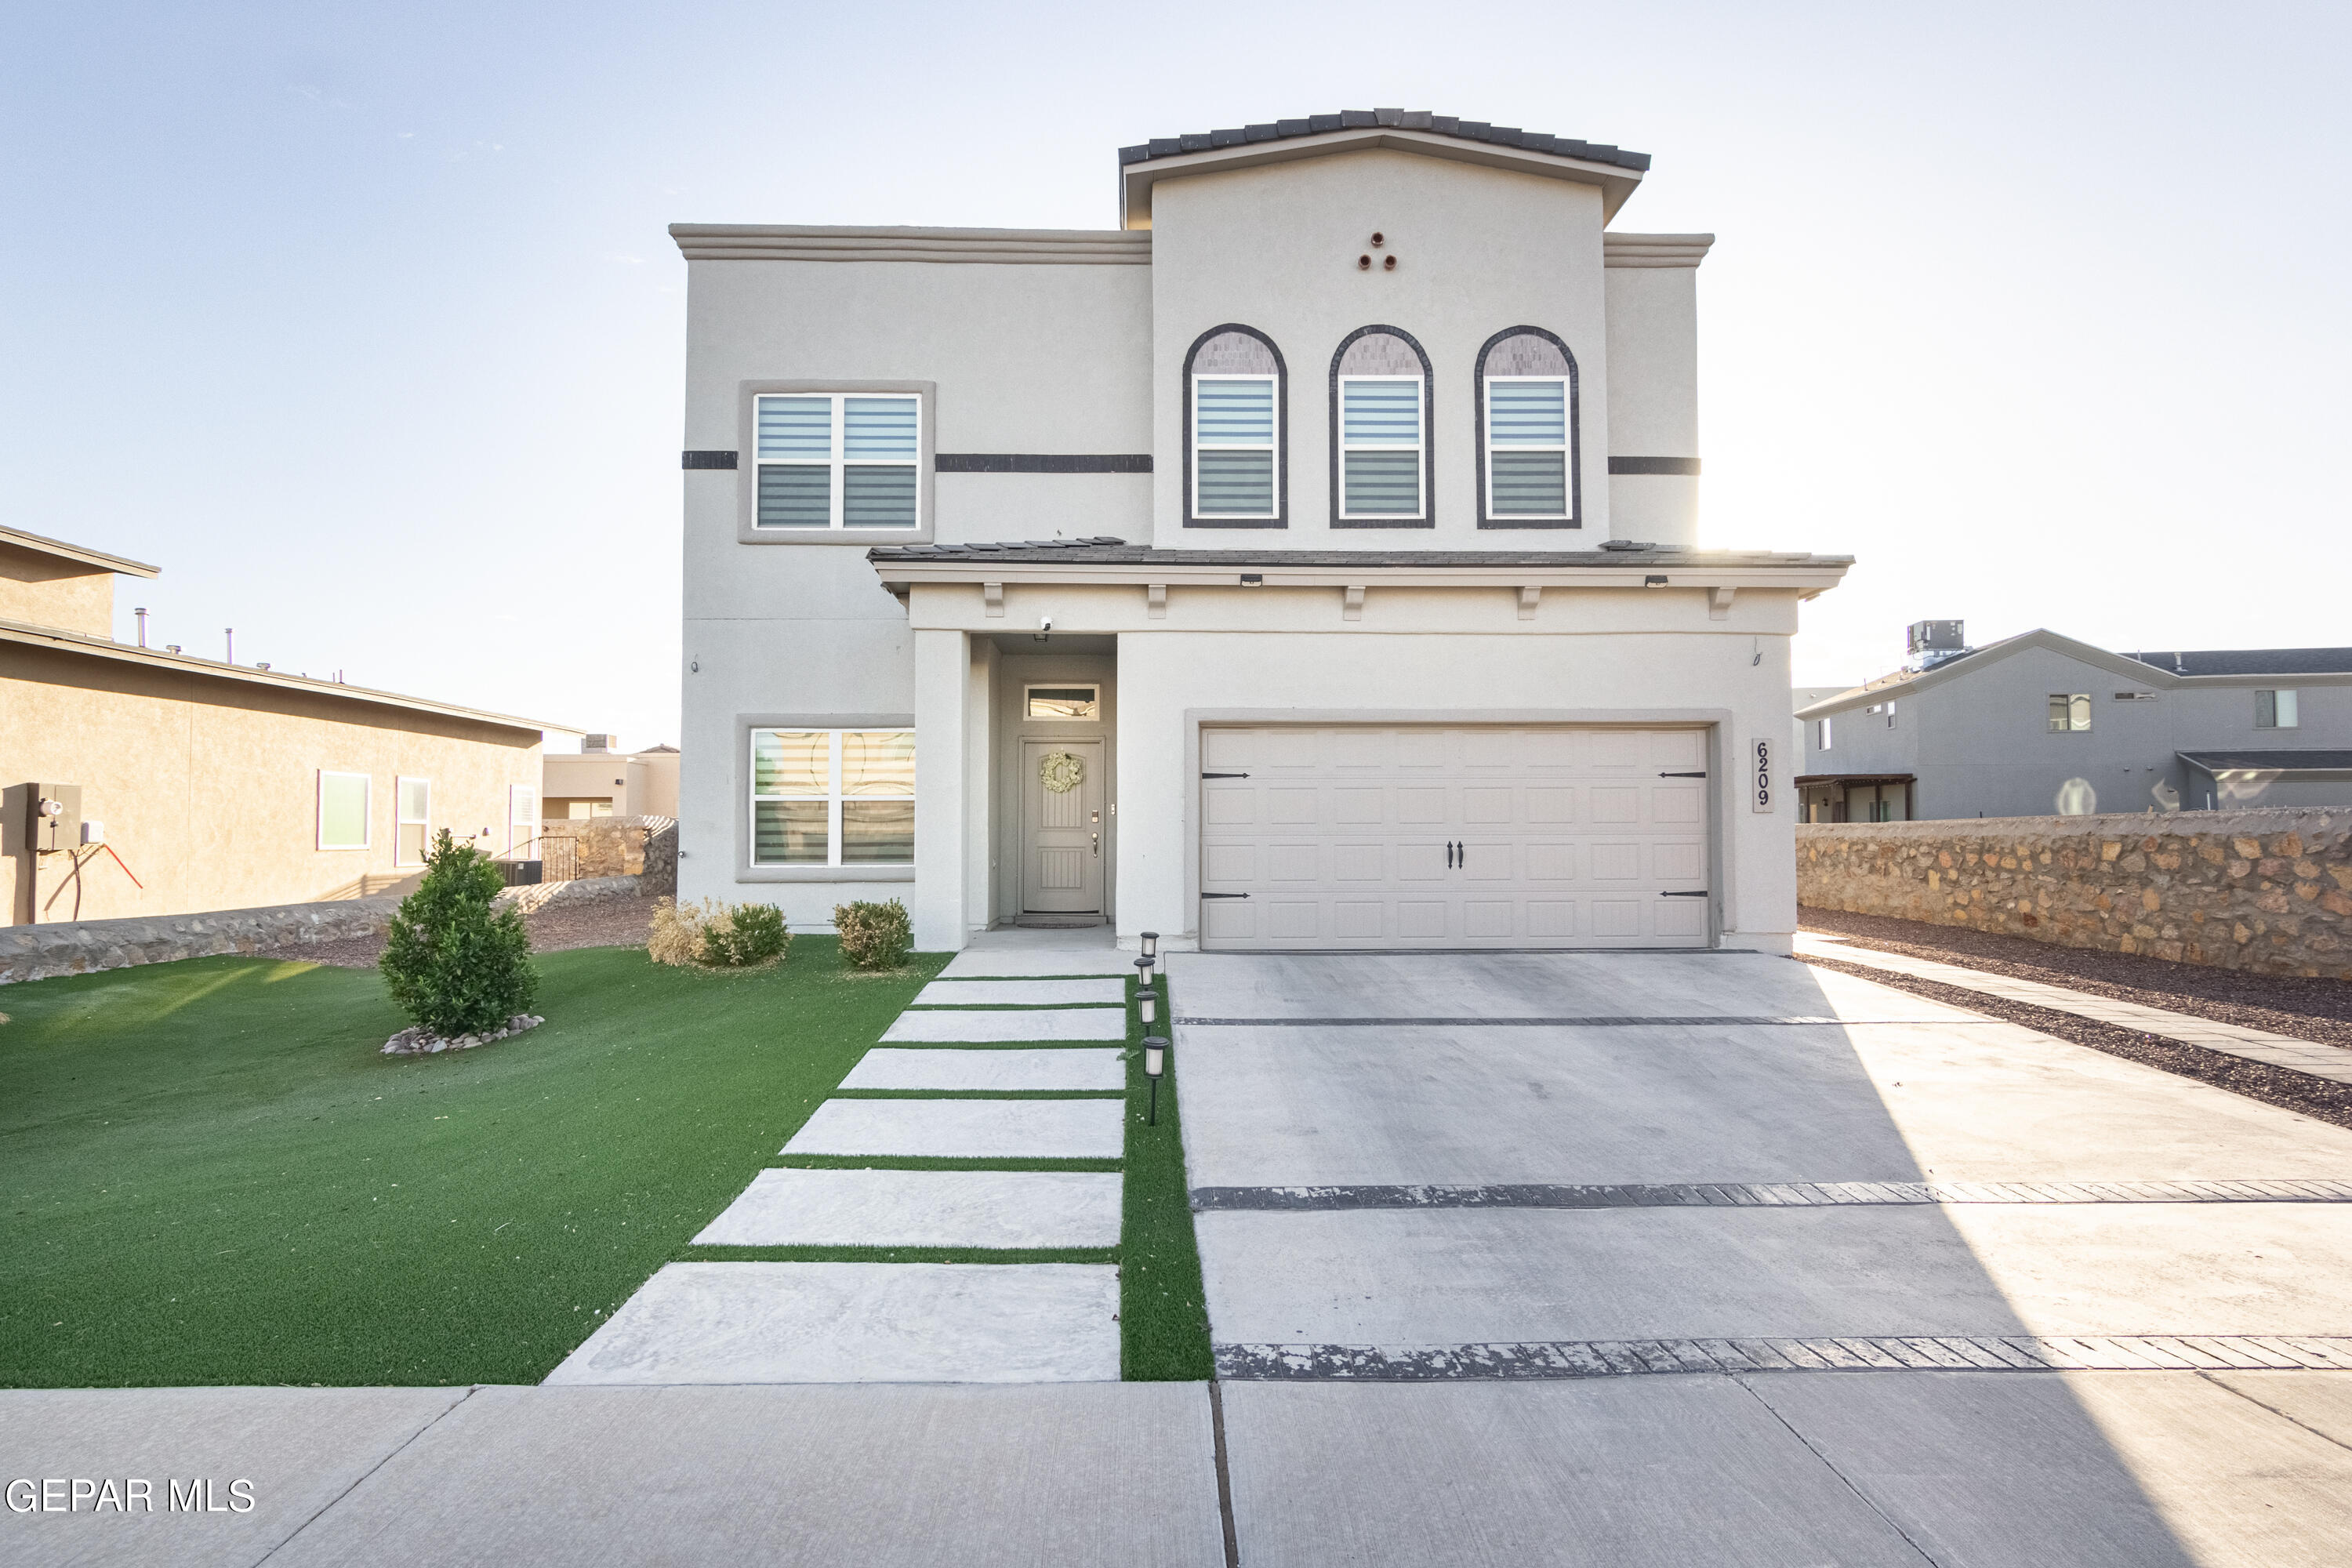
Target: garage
[(1336, 837)]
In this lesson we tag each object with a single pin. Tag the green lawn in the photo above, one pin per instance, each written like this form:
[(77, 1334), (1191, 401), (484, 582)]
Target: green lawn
[(212, 1176)]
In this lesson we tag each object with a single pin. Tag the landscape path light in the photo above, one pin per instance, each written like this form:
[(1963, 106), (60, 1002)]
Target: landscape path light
[(1146, 1005), (1143, 970), (1155, 1062), (1151, 944)]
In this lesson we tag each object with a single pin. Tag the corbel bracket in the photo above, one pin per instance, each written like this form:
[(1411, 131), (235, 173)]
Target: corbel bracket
[(1155, 601), (1718, 603), (1352, 604), (1530, 598), (992, 598)]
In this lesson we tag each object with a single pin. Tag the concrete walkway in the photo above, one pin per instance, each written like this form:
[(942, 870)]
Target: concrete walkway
[(2234, 1039), (944, 1088)]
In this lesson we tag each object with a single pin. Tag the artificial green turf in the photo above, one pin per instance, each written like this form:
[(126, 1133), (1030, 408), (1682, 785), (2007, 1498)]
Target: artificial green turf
[(1163, 1313), (213, 1176)]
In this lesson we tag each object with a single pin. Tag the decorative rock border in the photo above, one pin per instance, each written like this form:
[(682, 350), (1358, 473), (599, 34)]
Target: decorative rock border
[(2265, 890), (415, 1041)]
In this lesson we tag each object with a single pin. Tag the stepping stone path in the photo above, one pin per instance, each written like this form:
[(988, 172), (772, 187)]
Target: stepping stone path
[(975, 1031)]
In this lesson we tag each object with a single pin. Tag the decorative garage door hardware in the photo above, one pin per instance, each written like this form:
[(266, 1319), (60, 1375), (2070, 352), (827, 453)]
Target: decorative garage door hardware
[(1777, 1194), (1685, 893), (1592, 1023), (1224, 895), (1225, 775), (1844, 1352), (1696, 775)]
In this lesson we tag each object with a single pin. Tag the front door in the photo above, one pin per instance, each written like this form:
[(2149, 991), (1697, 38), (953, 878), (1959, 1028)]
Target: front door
[(1061, 827)]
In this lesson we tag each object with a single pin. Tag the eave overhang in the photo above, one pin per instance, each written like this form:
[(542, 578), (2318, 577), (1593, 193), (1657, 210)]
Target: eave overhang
[(80, 555), (1615, 182)]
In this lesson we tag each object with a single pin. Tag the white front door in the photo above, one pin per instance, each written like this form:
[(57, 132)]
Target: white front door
[(1061, 829), (1337, 836)]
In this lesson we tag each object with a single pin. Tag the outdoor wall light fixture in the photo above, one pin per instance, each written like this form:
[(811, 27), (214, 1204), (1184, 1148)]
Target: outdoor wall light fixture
[(1653, 581), (1155, 1062), (1151, 944)]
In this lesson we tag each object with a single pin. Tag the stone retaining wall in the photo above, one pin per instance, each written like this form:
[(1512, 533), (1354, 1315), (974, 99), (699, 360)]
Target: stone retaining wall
[(82, 947), (622, 847), (2267, 890)]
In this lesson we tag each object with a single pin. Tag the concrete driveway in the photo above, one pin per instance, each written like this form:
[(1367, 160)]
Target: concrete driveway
[(1518, 1259)]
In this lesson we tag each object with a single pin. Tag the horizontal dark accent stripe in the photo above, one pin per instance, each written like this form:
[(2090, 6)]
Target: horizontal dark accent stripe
[(1517, 1360), (1775, 1195), (1595, 1023), (1684, 466), (706, 459), (1042, 463)]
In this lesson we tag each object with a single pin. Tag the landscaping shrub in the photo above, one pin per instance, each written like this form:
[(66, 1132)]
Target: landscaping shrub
[(874, 936), (712, 935), (455, 963)]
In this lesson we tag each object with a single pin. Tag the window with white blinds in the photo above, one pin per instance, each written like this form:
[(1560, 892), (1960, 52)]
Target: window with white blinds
[(832, 797), (1382, 432), (1527, 447), (839, 460), (1235, 426)]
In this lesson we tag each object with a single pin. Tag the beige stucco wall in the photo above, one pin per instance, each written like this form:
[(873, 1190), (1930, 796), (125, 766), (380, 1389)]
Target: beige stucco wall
[(1477, 250), (208, 786), (43, 590)]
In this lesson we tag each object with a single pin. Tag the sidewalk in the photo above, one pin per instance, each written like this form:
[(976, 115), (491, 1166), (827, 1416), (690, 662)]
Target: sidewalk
[(2254, 1045)]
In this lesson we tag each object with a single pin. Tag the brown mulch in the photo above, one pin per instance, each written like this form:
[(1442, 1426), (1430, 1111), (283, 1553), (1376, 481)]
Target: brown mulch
[(2305, 1009), (2322, 1099), (607, 922)]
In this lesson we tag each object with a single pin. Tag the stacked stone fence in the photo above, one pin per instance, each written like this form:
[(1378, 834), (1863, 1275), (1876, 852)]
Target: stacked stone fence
[(643, 846), (2263, 890)]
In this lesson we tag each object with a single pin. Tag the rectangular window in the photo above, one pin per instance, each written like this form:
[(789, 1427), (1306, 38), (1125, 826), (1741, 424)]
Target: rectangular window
[(1822, 734), (1526, 446), (412, 832), (1080, 702), (832, 797), (2275, 710), (1234, 430), (839, 460), (343, 800), (2069, 711), (1381, 442)]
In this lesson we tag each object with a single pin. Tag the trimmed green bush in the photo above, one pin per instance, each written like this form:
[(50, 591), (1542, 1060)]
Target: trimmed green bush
[(746, 934), (874, 936), (455, 963)]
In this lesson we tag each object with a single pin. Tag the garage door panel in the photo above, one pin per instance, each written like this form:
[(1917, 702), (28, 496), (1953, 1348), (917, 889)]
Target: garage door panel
[(1348, 836)]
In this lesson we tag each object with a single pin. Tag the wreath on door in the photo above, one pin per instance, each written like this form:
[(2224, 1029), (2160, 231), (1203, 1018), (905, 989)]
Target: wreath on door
[(1060, 772)]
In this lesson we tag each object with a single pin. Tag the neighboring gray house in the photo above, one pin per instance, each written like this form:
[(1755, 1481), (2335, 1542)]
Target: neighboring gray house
[(1308, 561), (2041, 724)]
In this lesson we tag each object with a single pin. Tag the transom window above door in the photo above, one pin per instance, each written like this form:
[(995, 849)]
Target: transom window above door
[(838, 460), (832, 797), (1064, 702)]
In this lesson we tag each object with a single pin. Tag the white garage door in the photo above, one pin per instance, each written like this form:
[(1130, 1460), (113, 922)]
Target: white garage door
[(1337, 836)]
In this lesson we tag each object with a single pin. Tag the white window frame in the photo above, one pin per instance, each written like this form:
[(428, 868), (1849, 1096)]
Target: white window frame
[(367, 809), (2286, 713), (839, 462), (1419, 447), (400, 784), (832, 797), (1272, 448), (1031, 688), (1564, 448), (529, 823)]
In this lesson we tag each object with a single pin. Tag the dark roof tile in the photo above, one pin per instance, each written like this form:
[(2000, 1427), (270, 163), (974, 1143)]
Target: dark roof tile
[(2251, 661)]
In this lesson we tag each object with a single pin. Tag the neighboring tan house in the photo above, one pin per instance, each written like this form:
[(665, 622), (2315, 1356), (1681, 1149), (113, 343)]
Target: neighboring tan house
[(142, 781), (601, 782), (1309, 562), (2040, 724)]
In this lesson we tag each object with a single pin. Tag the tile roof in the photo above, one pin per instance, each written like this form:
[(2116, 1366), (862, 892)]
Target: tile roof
[(2252, 661), (1401, 119)]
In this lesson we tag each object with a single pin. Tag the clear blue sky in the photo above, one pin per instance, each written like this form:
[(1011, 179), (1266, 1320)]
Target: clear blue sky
[(361, 320)]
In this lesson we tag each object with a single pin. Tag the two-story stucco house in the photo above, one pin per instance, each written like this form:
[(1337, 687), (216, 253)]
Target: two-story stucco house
[(1309, 562)]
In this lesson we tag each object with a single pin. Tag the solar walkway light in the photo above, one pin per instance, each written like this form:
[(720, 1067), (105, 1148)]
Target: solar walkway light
[(1151, 944), (1147, 1006), (1155, 1062), (1143, 970)]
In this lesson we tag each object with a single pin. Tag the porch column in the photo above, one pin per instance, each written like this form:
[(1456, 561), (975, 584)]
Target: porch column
[(979, 763), (942, 726)]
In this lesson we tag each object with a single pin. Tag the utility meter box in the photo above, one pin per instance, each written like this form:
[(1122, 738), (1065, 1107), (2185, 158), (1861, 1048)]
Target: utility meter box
[(56, 817)]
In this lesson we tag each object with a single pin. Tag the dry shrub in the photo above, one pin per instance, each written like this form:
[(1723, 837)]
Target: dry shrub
[(677, 934), (712, 935)]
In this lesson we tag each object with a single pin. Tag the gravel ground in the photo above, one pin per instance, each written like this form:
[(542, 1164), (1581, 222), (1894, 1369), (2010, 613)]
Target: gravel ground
[(2322, 1099), (607, 922), (2318, 1010)]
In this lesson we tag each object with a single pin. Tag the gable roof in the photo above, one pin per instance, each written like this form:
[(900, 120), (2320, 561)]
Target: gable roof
[(58, 549), (2142, 669), (2252, 661), (1616, 171)]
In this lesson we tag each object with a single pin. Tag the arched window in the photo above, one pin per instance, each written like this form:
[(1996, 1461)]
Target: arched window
[(1528, 432), (1380, 431), (1236, 392)]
